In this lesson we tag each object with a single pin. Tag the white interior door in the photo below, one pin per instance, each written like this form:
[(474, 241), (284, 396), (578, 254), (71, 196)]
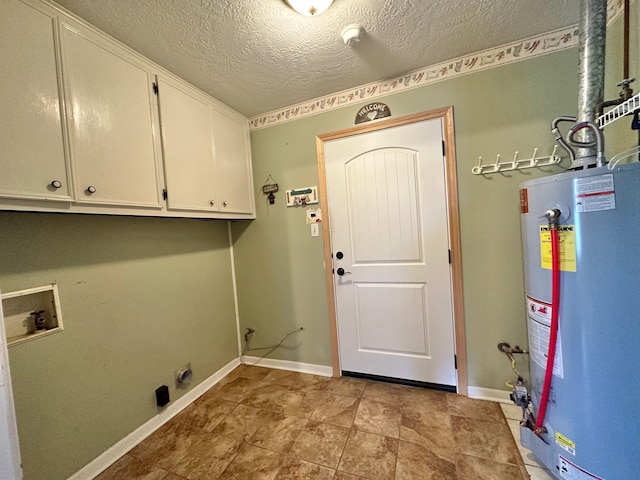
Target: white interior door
[(9, 449), (389, 235)]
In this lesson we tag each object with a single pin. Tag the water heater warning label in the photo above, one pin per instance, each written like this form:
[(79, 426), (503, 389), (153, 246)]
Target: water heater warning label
[(569, 471), (593, 194), (567, 235), (539, 320)]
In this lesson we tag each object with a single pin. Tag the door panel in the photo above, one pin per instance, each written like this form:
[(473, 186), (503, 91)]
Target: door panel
[(32, 153), (376, 304), (111, 122), (187, 140), (388, 212), (381, 194)]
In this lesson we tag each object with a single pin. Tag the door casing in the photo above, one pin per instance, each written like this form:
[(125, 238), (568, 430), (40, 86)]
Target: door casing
[(446, 114)]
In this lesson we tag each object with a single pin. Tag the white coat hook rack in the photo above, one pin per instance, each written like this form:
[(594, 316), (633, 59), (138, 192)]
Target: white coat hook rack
[(516, 163)]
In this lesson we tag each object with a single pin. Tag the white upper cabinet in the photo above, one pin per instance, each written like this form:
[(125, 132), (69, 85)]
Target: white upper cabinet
[(234, 181), (187, 145), (32, 147), (110, 110), (83, 129)]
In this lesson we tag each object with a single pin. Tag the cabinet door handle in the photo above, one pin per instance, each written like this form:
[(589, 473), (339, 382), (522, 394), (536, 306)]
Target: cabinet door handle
[(212, 203), (224, 204), (91, 189), (56, 184)]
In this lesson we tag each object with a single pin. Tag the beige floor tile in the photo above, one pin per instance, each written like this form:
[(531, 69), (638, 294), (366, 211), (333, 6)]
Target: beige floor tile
[(511, 411), (378, 417), (320, 443), (265, 424), (336, 409), (252, 463), (170, 476), (234, 390), (278, 432), (206, 412), (469, 467), (384, 392), (169, 444), (470, 407), (430, 429), (267, 396), (351, 387), (208, 459), (538, 473), (369, 455), (483, 438), (419, 463), (242, 422), (295, 469), (249, 371), (424, 399), (132, 468), (302, 401), (295, 379), (346, 476)]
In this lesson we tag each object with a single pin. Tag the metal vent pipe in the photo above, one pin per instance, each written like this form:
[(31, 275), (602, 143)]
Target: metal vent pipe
[(592, 41)]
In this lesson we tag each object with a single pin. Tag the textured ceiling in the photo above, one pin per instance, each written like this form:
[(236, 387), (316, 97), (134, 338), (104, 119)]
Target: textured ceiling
[(259, 55)]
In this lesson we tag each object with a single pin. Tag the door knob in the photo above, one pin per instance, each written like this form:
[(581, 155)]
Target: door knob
[(341, 271), (339, 255)]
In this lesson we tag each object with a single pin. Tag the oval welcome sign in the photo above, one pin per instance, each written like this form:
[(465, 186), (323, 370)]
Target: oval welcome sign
[(373, 111)]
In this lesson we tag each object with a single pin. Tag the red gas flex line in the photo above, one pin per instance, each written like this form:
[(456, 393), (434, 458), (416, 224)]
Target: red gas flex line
[(554, 219)]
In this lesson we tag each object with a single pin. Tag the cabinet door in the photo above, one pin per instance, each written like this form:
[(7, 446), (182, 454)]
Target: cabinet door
[(111, 121), (234, 180), (187, 146), (32, 150)]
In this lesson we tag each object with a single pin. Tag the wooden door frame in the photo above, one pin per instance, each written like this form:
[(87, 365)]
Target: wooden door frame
[(446, 115)]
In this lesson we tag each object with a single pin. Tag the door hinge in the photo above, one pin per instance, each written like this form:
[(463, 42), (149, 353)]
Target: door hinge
[(449, 256), (455, 362), (155, 88), (444, 149), (164, 194)]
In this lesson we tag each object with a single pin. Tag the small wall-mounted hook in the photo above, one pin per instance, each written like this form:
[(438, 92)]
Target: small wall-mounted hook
[(517, 164)]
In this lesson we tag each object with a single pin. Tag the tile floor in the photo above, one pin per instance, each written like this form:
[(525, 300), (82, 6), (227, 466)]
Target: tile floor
[(265, 424), (536, 471)]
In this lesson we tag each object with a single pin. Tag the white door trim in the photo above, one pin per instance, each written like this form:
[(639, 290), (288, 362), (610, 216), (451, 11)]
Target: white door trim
[(446, 114), (10, 468)]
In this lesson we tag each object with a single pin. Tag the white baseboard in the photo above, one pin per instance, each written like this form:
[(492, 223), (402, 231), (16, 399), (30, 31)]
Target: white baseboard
[(311, 368), (104, 461), (500, 396)]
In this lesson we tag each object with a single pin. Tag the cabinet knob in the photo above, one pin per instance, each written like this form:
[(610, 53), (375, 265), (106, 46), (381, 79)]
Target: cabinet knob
[(56, 184), (224, 204), (91, 189), (212, 203)]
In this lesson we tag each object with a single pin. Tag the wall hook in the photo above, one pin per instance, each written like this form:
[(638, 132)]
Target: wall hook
[(516, 164)]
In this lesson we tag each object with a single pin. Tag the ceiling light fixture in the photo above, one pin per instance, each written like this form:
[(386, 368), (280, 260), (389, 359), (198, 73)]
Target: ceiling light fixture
[(309, 7)]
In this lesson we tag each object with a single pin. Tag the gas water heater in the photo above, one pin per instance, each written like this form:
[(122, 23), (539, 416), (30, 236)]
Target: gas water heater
[(591, 429)]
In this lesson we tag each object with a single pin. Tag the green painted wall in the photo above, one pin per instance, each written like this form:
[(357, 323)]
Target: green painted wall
[(140, 298), (279, 265)]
